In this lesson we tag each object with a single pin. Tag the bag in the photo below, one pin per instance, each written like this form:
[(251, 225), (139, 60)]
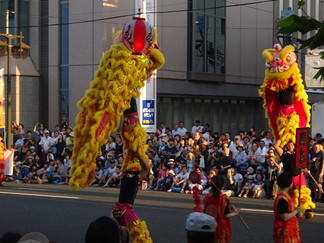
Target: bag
[(24, 150)]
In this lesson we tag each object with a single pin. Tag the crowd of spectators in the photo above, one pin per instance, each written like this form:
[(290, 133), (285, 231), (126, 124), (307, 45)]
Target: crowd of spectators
[(246, 160)]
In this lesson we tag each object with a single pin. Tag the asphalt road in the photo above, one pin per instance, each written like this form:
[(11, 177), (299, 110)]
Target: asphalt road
[(64, 215)]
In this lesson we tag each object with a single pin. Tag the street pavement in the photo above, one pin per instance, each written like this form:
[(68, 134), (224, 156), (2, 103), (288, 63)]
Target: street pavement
[(64, 215)]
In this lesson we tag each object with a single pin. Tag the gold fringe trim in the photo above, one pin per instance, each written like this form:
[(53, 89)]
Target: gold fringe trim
[(119, 76), (139, 232)]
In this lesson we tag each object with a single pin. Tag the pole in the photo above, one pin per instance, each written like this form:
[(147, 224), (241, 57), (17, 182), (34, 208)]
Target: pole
[(8, 106), (7, 22)]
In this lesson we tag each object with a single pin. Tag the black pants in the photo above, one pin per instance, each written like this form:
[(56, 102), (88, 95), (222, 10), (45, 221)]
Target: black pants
[(128, 187)]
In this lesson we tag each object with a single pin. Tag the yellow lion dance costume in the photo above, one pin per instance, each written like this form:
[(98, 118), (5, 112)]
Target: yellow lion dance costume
[(285, 103), (111, 95)]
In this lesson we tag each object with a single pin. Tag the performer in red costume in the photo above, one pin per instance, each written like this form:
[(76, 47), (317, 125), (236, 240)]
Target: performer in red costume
[(217, 205), (286, 225)]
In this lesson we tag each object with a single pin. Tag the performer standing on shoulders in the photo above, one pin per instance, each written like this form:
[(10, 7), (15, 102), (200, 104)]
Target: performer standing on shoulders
[(286, 225)]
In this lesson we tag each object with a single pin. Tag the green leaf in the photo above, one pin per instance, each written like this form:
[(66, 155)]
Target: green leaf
[(315, 41), (320, 73), (295, 23), (300, 4), (322, 54)]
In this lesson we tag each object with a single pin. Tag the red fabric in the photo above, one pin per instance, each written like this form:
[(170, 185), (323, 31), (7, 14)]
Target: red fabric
[(296, 180), (274, 108), (196, 196), (2, 159), (216, 208), (102, 124), (126, 214), (285, 231)]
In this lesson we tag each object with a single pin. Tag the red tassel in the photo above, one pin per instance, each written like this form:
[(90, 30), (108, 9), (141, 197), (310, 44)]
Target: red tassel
[(196, 196)]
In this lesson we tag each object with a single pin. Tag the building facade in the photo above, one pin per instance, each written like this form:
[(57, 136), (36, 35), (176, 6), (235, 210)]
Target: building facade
[(212, 48)]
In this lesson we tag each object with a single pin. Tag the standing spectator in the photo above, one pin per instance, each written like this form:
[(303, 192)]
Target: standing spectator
[(197, 127), (267, 139), (60, 147), (182, 129), (119, 146), (272, 172), (214, 156), (217, 205), (254, 156), (175, 130), (241, 159), (316, 170), (226, 162), (46, 143), (263, 151), (69, 141), (286, 225), (19, 144), (29, 140)]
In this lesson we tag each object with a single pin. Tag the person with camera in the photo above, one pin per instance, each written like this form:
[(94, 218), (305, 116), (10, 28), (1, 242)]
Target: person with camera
[(274, 168)]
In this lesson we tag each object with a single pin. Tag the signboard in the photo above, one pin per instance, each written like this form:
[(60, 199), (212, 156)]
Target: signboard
[(148, 112), (302, 144), (2, 100)]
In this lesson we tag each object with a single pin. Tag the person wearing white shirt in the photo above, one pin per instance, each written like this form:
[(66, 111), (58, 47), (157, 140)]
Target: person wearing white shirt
[(46, 143), (182, 130), (197, 127), (180, 181)]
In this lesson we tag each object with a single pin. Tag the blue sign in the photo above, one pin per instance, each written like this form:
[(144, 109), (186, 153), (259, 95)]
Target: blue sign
[(148, 112)]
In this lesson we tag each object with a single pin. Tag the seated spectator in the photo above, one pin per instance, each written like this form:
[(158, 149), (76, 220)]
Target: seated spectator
[(109, 171), (32, 176), (258, 189), (170, 174), (160, 184), (180, 181), (44, 173), (107, 229), (114, 179), (238, 181), (200, 227), (247, 188), (201, 186)]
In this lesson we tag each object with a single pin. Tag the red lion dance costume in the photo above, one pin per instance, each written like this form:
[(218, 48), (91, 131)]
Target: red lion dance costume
[(285, 104), (123, 70)]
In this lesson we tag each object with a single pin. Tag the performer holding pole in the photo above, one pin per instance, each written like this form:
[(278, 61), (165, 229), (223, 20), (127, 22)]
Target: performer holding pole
[(286, 225), (217, 205)]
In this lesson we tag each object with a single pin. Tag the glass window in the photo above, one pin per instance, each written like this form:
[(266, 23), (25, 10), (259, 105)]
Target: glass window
[(23, 19), (208, 36), (64, 60)]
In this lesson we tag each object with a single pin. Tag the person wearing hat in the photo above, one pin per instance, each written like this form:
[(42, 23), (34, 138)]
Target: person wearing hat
[(241, 159), (218, 206), (46, 143), (34, 237), (200, 227), (170, 174)]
